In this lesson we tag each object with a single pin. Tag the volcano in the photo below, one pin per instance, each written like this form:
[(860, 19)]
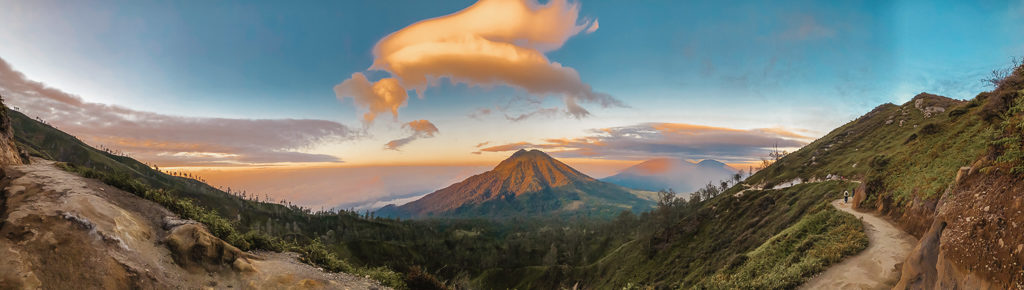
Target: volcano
[(527, 183)]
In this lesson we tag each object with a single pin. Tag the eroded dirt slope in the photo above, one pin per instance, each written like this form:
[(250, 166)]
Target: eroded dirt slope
[(62, 231)]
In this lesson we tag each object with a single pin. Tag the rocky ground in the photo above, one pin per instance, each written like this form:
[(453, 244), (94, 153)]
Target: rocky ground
[(62, 231), (976, 240)]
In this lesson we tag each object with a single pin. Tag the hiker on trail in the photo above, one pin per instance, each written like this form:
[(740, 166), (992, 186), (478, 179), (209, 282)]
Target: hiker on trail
[(846, 196)]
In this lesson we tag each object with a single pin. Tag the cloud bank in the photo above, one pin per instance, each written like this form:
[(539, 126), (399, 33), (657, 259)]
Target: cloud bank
[(172, 140), (492, 42), (420, 129), (649, 140)]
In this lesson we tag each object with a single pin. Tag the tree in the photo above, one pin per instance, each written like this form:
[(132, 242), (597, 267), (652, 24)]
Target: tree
[(1001, 75)]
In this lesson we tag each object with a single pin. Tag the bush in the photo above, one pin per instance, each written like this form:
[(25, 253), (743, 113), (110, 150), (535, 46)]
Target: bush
[(930, 128), (419, 279), (316, 253), (259, 240), (385, 276)]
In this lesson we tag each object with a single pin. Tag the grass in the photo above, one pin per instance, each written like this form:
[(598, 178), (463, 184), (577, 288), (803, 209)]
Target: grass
[(793, 256), (923, 153), (708, 240)]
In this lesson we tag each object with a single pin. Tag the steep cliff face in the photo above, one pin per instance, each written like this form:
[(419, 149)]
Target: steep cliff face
[(9, 153), (976, 240)]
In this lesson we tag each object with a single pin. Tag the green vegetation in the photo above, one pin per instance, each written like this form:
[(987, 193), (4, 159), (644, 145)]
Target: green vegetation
[(794, 255), (712, 237), (1008, 139), (903, 152), (679, 244)]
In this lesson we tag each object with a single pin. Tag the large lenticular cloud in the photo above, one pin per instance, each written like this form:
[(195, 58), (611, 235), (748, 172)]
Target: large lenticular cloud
[(492, 42)]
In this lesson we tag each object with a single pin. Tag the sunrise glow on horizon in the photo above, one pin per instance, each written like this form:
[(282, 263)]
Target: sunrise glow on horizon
[(211, 88)]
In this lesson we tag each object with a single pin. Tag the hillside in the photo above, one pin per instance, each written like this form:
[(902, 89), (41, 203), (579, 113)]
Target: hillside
[(61, 231), (671, 173), (243, 223), (64, 231), (528, 183), (948, 171)]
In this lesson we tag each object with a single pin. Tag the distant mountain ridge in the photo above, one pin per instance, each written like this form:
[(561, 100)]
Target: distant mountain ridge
[(528, 182), (671, 173)]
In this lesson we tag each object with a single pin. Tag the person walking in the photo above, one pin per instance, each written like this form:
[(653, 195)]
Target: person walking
[(846, 196)]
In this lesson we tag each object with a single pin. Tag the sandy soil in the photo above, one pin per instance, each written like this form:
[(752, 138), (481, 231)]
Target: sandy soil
[(876, 266), (62, 231)]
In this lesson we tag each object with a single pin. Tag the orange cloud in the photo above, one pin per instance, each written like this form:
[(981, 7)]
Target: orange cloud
[(382, 96), (508, 147), (492, 42), (784, 132), (419, 128), (652, 140), (689, 129)]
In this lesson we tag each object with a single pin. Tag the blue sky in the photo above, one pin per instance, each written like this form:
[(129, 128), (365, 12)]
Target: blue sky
[(275, 59), (803, 67)]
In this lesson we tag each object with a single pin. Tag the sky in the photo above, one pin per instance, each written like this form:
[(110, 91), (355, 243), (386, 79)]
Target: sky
[(382, 90)]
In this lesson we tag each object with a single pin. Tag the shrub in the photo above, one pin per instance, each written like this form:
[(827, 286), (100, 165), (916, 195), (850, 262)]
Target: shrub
[(930, 128), (385, 276), (316, 253), (259, 240), (419, 279)]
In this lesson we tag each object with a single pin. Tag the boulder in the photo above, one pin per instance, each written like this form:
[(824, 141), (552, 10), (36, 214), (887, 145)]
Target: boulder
[(193, 247)]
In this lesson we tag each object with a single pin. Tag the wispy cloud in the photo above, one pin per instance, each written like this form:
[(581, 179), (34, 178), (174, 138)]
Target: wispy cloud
[(649, 140), (172, 140), (420, 129), (492, 42)]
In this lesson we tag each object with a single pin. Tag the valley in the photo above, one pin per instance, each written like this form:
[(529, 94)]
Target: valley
[(511, 144)]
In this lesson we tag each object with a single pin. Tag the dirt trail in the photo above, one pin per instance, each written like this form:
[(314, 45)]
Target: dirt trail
[(61, 231), (873, 268)]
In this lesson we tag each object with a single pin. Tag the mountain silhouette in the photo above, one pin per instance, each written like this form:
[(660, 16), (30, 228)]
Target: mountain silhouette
[(671, 173), (527, 183)]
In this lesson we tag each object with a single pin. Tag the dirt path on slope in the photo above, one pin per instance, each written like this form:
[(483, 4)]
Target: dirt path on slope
[(873, 268), (62, 231)]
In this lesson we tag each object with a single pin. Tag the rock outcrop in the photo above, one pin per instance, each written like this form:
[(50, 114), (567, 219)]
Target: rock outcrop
[(9, 153), (976, 240), (62, 231), (194, 247)]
